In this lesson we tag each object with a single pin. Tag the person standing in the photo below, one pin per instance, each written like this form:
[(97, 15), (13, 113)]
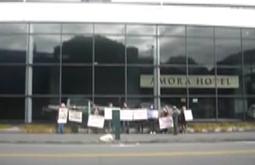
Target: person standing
[(182, 120), (62, 118), (176, 113)]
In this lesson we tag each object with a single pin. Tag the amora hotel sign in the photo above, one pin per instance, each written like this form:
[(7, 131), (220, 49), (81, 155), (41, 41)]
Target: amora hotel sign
[(192, 81)]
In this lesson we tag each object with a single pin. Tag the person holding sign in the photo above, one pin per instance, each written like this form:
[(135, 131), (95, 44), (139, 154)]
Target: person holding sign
[(62, 117), (182, 120)]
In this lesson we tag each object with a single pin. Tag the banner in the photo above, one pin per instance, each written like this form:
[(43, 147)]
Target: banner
[(165, 122), (153, 114), (188, 115), (140, 114), (96, 121), (108, 112), (75, 116), (126, 115), (62, 115)]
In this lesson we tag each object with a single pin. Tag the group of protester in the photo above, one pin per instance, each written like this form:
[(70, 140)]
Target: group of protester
[(178, 117)]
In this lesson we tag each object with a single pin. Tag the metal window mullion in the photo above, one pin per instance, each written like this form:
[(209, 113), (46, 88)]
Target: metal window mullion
[(93, 63), (187, 66), (216, 74), (243, 77), (60, 63), (29, 75), (125, 65)]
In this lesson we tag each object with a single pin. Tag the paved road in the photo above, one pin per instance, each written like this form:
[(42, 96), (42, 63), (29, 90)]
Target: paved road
[(234, 153)]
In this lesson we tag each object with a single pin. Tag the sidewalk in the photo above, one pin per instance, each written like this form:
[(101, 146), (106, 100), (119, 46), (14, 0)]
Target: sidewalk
[(125, 138)]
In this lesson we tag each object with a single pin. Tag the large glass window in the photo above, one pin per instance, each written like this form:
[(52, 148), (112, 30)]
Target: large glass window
[(228, 51), (249, 78), (109, 49), (12, 108), (140, 50), (77, 28), (172, 50), (199, 31), (139, 80), (229, 81), (13, 48), (12, 79), (171, 30), (10, 28), (109, 29), (203, 107), (46, 80), (230, 108), (46, 28), (173, 80), (77, 49), (200, 51), (41, 111), (141, 29), (46, 48), (201, 80), (76, 80), (249, 51), (109, 80)]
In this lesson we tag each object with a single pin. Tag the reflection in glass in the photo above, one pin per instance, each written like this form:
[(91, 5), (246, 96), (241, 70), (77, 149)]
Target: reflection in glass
[(109, 29), (77, 49), (140, 50), (171, 83), (249, 52), (46, 80), (139, 102), (134, 78), (13, 48), (172, 50), (109, 49), (7, 28), (249, 79), (231, 81), (77, 80), (46, 48), (202, 81), (228, 51), (105, 101), (248, 33), (46, 28), (199, 31), (39, 109), (230, 108), (12, 108), (12, 80), (141, 29), (109, 80), (174, 30), (203, 107), (75, 28), (200, 51), (227, 32)]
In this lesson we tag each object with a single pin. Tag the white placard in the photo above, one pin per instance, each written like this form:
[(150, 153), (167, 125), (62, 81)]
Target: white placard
[(153, 114), (126, 115), (188, 115), (75, 116), (96, 121), (108, 113), (165, 122), (140, 114), (62, 115)]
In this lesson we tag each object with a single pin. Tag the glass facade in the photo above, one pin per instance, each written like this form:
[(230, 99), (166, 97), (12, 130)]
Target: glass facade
[(208, 69)]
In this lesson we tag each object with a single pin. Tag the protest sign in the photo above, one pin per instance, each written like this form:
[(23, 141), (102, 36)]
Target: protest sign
[(75, 116), (188, 115), (62, 115), (126, 115), (140, 114), (165, 122), (153, 114), (96, 121)]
